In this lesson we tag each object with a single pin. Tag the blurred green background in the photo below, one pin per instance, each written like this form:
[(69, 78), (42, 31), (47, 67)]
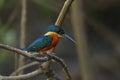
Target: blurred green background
[(102, 21)]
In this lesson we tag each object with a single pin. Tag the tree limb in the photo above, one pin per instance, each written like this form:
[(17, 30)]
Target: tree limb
[(19, 52), (63, 12), (24, 67), (24, 76), (65, 68), (77, 19), (53, 57)]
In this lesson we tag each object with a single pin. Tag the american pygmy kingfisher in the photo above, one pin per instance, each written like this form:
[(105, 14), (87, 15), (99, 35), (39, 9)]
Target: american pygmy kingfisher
[(48, 40)]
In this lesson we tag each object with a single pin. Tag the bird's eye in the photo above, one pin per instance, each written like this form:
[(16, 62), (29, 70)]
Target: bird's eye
[(62, 32), (59, 31)]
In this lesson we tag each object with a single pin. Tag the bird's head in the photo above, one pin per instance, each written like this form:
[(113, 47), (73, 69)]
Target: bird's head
[(59, 31)]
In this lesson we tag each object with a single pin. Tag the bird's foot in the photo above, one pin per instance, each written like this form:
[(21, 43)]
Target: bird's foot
[(35, 54), (43, 57)]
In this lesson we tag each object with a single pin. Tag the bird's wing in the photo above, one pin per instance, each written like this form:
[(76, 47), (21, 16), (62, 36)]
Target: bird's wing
[(40, 43)]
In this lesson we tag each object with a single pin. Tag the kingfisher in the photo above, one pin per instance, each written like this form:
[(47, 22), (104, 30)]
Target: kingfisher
[(48, 41)]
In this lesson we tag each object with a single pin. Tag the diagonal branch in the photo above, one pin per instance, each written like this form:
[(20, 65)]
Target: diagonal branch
[(24, 76), (63, 12), (65, 68), (24, 53), (24, 67)]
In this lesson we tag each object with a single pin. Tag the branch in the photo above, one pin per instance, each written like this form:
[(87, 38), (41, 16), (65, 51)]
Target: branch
[(24, 76), (18, 51), (24, 67), (77, 19), (23, 24), (50, 74), (22, 32), (63, 12), (49, 57), (65, 68)]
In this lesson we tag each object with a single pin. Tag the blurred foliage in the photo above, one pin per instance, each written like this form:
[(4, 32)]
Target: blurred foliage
[(10, 37), (1, 23), (1, 4), (4, 56)]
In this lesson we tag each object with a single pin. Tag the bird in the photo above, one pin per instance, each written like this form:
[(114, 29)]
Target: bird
[(47, 41)]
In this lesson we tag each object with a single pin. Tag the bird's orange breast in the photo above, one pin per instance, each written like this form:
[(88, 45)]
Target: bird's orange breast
[(53, 43)]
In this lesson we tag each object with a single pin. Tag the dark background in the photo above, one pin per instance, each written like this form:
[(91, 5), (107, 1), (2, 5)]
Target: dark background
[(101, 26)]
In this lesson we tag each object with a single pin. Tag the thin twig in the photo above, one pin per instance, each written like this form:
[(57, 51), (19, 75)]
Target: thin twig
[(24, 67), (18, 51), (65, 68), (24, 76)]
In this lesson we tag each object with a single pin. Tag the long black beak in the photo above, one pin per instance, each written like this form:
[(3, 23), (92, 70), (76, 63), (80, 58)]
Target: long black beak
[(69, 38)]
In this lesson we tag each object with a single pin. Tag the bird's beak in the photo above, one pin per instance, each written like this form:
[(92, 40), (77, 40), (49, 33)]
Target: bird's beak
[(69, 38)]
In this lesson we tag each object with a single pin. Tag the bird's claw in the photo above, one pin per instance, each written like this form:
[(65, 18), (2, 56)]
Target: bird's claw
[(35, 54), (43, 57)]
